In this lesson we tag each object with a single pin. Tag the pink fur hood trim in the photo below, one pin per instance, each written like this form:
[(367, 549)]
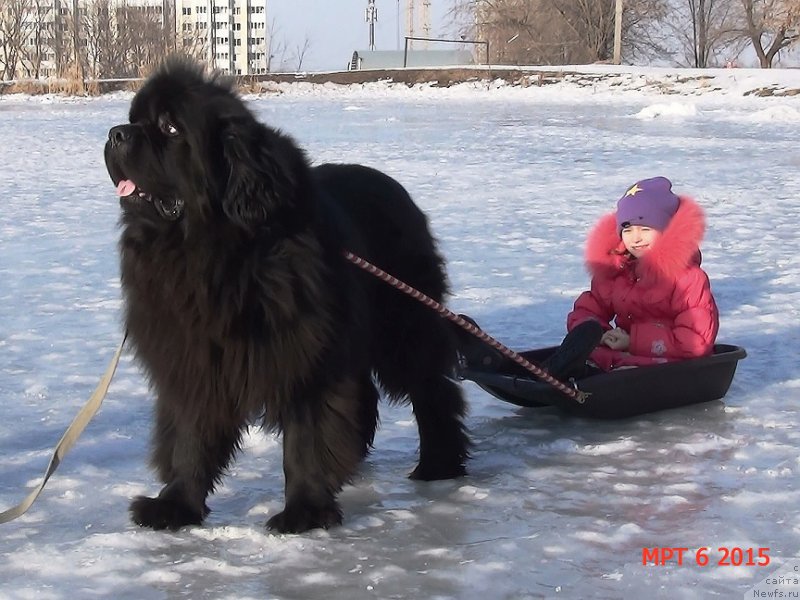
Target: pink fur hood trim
[(677, 249)]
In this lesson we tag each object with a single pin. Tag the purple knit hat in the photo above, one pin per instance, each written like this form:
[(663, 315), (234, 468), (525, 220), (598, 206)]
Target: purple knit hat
[(649, 202)]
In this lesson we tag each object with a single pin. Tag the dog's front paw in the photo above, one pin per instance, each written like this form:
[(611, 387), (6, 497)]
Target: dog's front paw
[(298, 519), (163, 513)]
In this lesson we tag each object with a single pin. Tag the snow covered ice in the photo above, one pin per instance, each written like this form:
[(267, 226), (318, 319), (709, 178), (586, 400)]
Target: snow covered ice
[(511, 178)]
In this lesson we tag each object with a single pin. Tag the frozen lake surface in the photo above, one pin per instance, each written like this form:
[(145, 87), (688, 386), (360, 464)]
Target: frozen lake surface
[(553, 506)]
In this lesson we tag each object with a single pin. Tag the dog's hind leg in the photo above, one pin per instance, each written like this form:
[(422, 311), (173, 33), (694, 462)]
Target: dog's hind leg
[(323, 444), (416, 361), (443, 442), (190, 456)]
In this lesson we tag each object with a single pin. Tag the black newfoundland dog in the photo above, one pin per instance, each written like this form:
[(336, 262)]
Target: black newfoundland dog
[(240, 305)]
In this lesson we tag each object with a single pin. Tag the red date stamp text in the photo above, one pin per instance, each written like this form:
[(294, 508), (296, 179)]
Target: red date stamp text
[(706, 556)]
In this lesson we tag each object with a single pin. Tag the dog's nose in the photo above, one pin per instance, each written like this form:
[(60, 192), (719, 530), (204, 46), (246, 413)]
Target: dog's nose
[(119, 135)]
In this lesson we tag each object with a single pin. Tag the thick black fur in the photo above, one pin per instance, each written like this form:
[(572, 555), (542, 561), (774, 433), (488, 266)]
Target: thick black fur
[(240, 305)]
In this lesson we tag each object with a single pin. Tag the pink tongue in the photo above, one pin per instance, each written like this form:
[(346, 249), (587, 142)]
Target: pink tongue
[(125, 188)]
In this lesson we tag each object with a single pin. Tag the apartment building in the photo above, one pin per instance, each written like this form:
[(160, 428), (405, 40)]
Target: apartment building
[(230, 35)]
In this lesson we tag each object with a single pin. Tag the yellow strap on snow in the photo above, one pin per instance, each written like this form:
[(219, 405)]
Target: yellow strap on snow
[(69, 438)]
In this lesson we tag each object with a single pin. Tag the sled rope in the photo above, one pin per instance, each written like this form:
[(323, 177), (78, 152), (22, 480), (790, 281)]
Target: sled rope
[(571, 392), (69, 438)]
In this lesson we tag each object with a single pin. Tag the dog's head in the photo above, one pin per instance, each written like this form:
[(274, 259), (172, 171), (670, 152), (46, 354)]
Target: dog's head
[(193, 150)]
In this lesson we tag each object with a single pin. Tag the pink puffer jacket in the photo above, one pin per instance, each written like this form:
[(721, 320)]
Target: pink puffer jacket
[(663, 300)]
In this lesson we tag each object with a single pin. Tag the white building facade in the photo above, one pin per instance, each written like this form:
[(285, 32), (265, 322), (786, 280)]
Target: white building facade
[(230, 35)]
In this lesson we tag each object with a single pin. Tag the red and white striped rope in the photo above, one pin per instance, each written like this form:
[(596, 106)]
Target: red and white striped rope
[(367, 266)]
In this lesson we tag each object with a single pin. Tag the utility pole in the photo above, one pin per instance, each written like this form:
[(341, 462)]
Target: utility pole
[(618, 32), (371, 17)]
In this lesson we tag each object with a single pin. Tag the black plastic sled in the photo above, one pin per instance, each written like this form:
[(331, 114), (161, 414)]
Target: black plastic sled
[(620, 393)]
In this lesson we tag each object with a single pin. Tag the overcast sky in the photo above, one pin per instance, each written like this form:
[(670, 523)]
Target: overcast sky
[(335, 28)]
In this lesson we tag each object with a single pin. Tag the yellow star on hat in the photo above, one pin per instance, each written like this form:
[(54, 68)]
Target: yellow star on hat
[(633, 190)]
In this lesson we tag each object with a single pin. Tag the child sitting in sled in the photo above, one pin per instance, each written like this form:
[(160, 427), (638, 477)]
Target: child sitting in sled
[(649, 302)]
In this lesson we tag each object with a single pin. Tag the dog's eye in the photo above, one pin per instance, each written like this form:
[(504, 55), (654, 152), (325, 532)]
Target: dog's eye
[(167, 128)]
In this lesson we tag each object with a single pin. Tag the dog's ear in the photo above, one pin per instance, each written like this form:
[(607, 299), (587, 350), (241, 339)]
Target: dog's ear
[(260, 179)]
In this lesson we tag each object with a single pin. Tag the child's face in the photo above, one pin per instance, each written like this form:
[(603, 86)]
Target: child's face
[(639, 240)]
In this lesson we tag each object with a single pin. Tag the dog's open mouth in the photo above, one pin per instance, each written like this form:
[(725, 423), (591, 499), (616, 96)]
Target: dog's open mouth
[(128, 189), (169, 209)]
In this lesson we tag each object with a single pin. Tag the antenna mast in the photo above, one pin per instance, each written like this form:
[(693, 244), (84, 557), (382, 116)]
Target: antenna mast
[(371, 16)]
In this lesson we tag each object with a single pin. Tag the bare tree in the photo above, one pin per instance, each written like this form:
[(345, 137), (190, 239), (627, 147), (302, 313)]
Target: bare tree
[(96, 29), (300, 53), (38, 35), (592, 23), (32, 31), (61, 41), (518, 31), (276, 48), (557, 31), (141, 34), (105, 38), (12, 38), (706, 30), (70, 43), (771, 26), (644, 36)]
